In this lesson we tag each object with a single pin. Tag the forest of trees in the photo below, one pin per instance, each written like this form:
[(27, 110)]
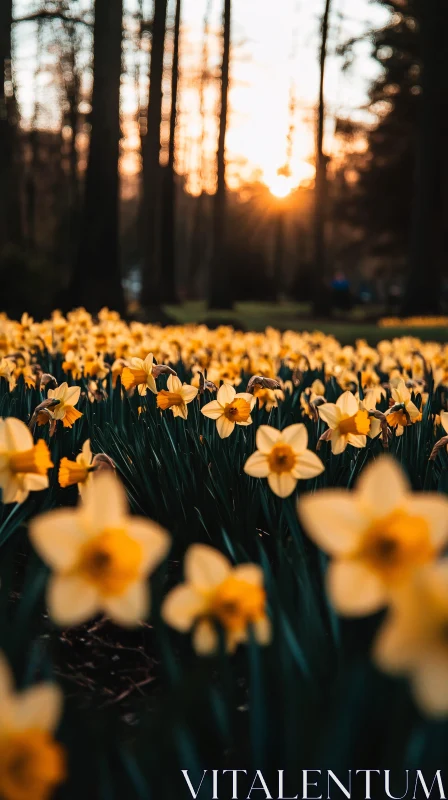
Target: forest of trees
[(69, 236)]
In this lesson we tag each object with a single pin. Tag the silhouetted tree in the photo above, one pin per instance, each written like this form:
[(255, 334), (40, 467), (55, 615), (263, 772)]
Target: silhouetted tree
[(320, 294), (96, 279), (168, 273), (152, 183), (428, 247), (10, 212), (220, 290)]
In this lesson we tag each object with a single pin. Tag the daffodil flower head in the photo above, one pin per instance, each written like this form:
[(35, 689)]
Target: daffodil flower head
[(348, 423), (65, 411), (32, 763), (176, 397), (283, 458), (229, 409), (139, 375), (23, 464), (378, 535), (100, 556), (215, 592)]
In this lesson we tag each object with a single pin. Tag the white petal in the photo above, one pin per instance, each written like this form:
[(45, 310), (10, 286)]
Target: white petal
[(444, 420), (296, 436), (250, 573), (212, 410), (38, 707), (263, 631), (34, 483), (182, 606), (174, 383), (348, 404), (58, 537), (333, 519), (382, 486), (430, 684), (71, 600), (224, 427), (266, 437), (354, 589), (129, 608), (257, 465), (205, 567), (356, 440), (86, 453), (338, 442), (308, 465), (282, 484), (188, 393), (147, 363), (226, 394), (205, 638)]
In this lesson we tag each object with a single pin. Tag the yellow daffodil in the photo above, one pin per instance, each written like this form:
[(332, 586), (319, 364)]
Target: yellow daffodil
[(348, 423), (283, 458), (79, 471), (100, 556), (139, 375), (268, 398), (177, 397), (229, 409), (23, 464), (65, 410), (32, 763), (413, 640), (378, 535), (407, 415), (216, 592)]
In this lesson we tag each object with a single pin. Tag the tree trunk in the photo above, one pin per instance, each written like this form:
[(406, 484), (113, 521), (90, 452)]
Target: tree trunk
[(320, 290), (152, 179), (423, 290), (10, 210), (96, 280), (168, 254), (220, 295)]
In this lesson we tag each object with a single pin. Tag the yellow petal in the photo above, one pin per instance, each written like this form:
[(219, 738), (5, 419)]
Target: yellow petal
[(250, 573), (333, 520), (224, 426), (153, 539), (329, 413), (434, 509), (104, 502), (338, 443), (212, 410), (354, 589), (129, 608), (182, 606), (6, 679), (282, 484), (308, 465), (382, 486), (205, 638), (188, 393), (38, 707), (72, 396), (174, 384), (57, 537), (266, 437), (226, 394), (257, 465), (348, 404), (444, 420), (71, 600), (296, 436), (430, 684), (263, 631), (357, 440), (205, 567), (15, 435)]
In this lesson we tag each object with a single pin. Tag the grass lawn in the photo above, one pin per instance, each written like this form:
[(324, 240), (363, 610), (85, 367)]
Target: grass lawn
[(346, 327)]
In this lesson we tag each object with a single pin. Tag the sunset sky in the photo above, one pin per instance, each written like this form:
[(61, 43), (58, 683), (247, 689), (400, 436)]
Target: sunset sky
[(274, 53)]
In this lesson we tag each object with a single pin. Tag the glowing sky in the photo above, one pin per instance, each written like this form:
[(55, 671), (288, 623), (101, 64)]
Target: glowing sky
[(275, 49)]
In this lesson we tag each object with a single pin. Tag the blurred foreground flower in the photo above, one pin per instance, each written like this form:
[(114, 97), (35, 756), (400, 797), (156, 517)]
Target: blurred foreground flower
[(214, 591), (23, 464), (414, 638), (283, 458), (177, 396), (100, 556), (32, 763), (378, 535), (68, 397), (229, 409), (348, 423), (139, 375)]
